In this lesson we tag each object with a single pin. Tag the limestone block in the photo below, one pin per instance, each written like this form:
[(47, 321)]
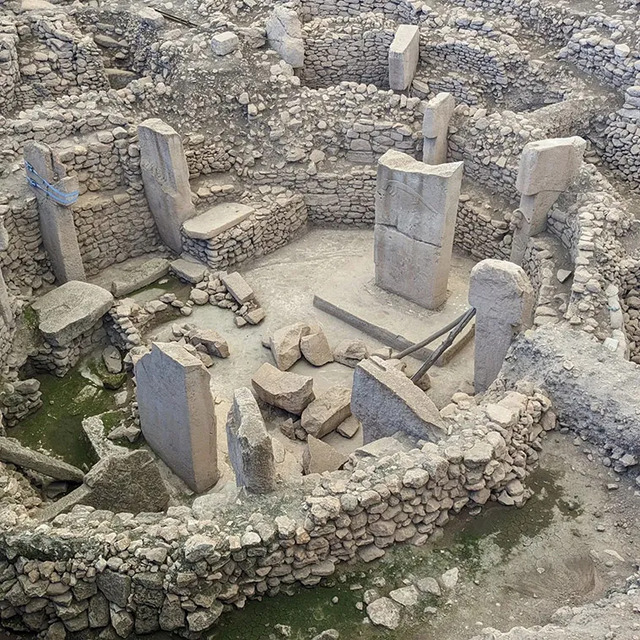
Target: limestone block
[(327, 411), (238, 287), (549, 165), (70, 310), (282, 389), (250, 446), (319, 457), (350, 352), (386, 401), (285, 344), (177, 413), (214, 221), (214, 343), (165, 175), (128, 482), (225, 43), (404, 54), (503, 297), (315, 347), (284, 32), (188, 270)]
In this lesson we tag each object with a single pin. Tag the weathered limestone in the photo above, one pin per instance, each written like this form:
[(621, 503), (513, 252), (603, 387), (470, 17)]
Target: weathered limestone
[(211, 340), (386, 401), (416, 210), (547, 168), (70, 310), (59, 234), (284, 32), (143, 275), (282, 389), (250, 446), (319, 457), (225, 43), (6, 310), (166, 179), (13, 452), (404, 54), (327, 411), (238, 287), (177, 413), (285, 344), (435, 128), (315, 347), (503, 297)]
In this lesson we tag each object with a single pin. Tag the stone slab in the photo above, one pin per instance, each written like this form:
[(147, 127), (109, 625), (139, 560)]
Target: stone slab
[(213, 222), (188, 270), (282, 389), (238, 287), (71, 309), (143, 275), (13, 452), (177, 414), (386, 401)]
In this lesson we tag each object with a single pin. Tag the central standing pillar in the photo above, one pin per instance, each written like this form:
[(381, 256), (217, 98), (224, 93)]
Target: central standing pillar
[(53, 188), (165, 175), (416, 210)]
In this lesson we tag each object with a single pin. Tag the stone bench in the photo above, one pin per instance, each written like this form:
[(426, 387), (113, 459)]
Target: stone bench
[(216, 220)]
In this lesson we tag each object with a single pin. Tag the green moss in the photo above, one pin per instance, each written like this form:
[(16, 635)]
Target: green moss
[(57, 426), (30, 318)]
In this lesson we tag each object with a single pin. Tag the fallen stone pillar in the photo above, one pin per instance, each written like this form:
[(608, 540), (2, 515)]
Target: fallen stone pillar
[(547, 168), (166, 179), (416, 210), (404, 54), (386, 401), (503, 297), (435, 128), (59, 234), (177, 413), (6, 310), (250, 446)]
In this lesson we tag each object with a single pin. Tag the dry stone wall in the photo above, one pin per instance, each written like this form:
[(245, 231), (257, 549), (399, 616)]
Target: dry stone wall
[(178, 571)]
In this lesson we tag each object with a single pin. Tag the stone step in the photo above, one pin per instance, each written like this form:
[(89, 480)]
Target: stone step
[(213, 222)]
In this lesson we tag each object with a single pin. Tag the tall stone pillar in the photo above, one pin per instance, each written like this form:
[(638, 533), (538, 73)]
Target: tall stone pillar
[(547, 168), (416, 210), (59, 234), (435, 128), (503, 297), (177, 413), (166, 179), (404, 54), (250, 446)]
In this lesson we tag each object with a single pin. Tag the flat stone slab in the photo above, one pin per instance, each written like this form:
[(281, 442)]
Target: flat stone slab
[(143, 275), (188, 270), (68, 311), (13, 452), (213, 222)]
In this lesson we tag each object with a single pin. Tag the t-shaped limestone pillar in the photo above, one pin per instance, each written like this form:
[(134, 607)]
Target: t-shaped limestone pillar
[(503, 297), (177, 413), (250, 446), (59, 235), (416, 210), (165, 175), (547, 168), (404, 54), (435, 128)]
